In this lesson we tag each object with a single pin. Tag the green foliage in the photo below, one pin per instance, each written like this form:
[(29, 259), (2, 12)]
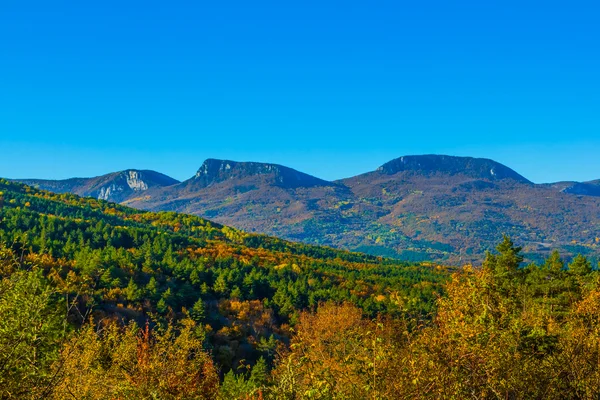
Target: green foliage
[(198, 312), (31, 330), (500, 332), (259, 375), (506, 330), (134, 265), (580, 266), (244, 386), (504, 266)]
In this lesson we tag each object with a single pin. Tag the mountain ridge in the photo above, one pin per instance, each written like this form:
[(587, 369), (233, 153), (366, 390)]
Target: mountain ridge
[(114, 186), (411, 163), (414, 207), (589, 188), (215, 170), (435, 163)]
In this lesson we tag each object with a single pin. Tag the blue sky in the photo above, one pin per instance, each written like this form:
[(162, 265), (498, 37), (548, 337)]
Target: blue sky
[(330, 88)]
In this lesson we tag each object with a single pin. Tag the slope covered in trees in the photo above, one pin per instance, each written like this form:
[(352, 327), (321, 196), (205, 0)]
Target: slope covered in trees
[(503, 331), (99, 301), (105, 262)]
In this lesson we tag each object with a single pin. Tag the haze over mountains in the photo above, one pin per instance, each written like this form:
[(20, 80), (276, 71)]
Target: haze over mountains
[(429, 207)]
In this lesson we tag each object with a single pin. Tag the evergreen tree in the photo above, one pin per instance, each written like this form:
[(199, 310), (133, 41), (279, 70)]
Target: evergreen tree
[(505, 266), (198, 312), (132, 292), (152, 288), (580, 266), (260, 373), (554, 264)]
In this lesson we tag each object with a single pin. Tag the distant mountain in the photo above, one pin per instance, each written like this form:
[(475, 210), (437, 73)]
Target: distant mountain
[(253, 196), (457, 208), (436, 207), (591, 188), (216, 171), (116, 186), (479, 168)]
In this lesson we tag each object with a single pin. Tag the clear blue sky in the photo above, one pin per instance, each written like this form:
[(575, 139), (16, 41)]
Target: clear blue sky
[(330, 88)]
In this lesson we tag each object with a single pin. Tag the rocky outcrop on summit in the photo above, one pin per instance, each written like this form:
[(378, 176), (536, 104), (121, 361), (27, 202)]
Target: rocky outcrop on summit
[(215, 171), (116, 187), (479, 168), (124, 183), (135, 181)]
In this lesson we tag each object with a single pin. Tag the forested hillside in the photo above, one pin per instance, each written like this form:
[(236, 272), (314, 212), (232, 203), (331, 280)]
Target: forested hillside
[(244, 291), (100, 301)]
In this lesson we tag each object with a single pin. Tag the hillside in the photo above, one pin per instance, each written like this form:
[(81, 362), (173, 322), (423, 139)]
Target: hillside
[(460, 210), (125, 263), (101, 301), (429, 207)]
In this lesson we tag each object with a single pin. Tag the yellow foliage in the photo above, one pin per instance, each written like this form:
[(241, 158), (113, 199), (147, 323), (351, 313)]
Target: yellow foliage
[(127, 363)]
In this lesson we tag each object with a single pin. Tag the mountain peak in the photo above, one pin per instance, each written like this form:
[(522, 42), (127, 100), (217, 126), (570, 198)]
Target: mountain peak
[(213, 171), (481, 168), (115, 186), (141, 179), (212, 167)]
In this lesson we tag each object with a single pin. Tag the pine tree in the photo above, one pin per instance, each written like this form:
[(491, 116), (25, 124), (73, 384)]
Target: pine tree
[(132, 292), (554, 264), (152, 288), (161, 306), (260, 373), (198, 312), (220, 285), (236, 293), (580, 266)]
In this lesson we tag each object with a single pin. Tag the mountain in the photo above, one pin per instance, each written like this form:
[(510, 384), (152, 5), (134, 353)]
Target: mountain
[(433, 207), (454, 206), (252, 196), (217, 171), (591, 188), (115, 187), (479, 168)]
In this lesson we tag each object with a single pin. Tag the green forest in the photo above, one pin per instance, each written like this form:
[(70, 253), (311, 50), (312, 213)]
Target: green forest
[(101, 301)]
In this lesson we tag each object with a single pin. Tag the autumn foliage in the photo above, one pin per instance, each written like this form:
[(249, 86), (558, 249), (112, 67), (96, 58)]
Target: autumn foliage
[(98, 301), (498, 334), (114, 362)]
